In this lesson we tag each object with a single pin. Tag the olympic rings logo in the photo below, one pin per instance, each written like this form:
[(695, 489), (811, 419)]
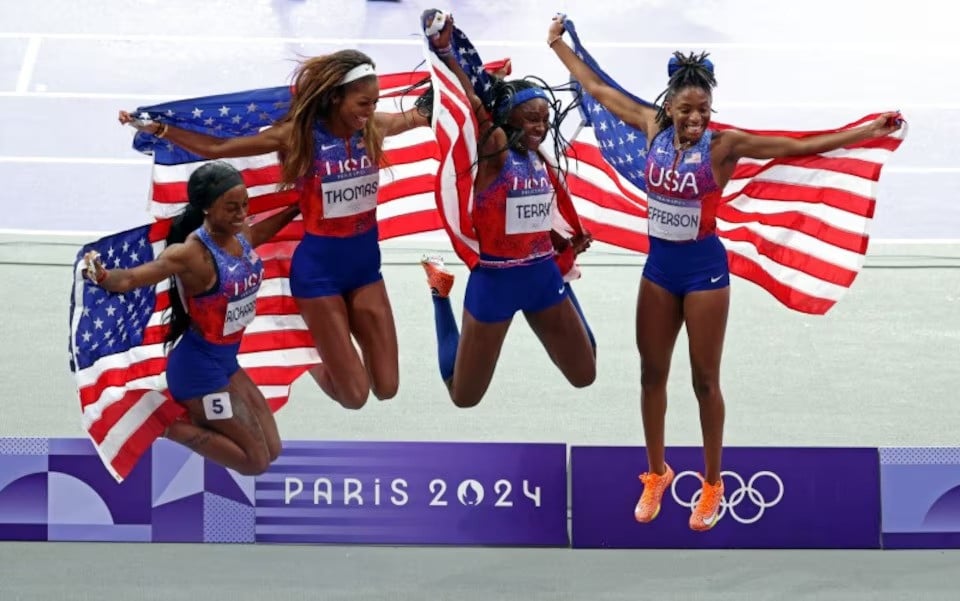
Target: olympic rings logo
[(732, 500)]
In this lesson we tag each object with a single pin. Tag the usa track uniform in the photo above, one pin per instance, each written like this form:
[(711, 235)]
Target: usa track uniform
[(340, 251), (686, 254), (206, 355), (513, 218)]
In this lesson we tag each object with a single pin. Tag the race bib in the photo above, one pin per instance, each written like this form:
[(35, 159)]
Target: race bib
[(217, 405), (529, 214), (240, 313), (672, 219), (343, 197)]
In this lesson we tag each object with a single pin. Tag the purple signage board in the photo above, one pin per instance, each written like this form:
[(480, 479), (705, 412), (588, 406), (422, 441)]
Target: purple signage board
[(57, 489), (414, 493), (920, 491), (196, 500), (774, 498)]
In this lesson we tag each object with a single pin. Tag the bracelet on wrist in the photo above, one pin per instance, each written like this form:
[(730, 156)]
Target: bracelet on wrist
[(553, 41), (161, 131)]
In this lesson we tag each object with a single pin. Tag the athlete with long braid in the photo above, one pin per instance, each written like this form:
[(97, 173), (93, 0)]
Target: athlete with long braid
[(514, 204), (214, 277)]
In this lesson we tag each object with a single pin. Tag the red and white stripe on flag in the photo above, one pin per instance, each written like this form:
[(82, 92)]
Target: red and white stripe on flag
[(797, 226)]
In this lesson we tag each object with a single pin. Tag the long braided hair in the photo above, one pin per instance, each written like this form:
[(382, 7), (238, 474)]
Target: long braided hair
[(317, 84), (205, 186), (685, 71), (503, 94)]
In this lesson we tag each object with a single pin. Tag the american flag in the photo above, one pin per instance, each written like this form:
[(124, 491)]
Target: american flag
[(116, 340), (798, 226), (455, 126), (115, 355), (406, 186), (117, 352)]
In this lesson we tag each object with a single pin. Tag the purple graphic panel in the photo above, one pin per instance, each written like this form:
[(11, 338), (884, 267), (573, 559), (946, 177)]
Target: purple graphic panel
[(920, 490), (23, 488), (414, 493), (58, 489), (790, 498), (195, 500)]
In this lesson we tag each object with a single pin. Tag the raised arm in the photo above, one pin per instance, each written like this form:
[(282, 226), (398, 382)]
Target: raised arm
[(174, 260), (441, 43), (269, 140), (735, 144), (632, 112)]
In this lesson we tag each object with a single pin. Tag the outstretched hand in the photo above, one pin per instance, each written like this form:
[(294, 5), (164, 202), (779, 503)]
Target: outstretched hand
[(151, 127), (885, 124)]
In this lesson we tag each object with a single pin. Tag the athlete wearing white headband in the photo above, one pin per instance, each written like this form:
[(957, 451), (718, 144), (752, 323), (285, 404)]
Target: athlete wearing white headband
[(360, 71), (331, 143)]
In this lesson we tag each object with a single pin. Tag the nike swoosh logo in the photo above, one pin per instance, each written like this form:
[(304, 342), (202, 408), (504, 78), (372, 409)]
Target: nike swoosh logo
[(327, 146), (716, 279), (561, 290), (232, 268)]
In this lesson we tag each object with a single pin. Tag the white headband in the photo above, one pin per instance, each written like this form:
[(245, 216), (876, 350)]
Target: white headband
[(361, 70)]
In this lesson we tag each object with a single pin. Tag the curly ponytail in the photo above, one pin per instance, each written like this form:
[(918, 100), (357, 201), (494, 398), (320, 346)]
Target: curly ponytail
[(685, 71)]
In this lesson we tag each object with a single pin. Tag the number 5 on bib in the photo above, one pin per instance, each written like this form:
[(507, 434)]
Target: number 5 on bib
[(217, 405)]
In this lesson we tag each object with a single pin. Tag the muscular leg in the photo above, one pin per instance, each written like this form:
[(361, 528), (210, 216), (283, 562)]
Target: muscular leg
[(238, 443), (659, 318), (342, 375), (261, 412), (372, 323), (583, 318), (562, 333), (477, 355), (705, 313)]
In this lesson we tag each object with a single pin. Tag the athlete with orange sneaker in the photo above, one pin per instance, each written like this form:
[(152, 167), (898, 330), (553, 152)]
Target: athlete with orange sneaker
[(518, 268), (686, 279)]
